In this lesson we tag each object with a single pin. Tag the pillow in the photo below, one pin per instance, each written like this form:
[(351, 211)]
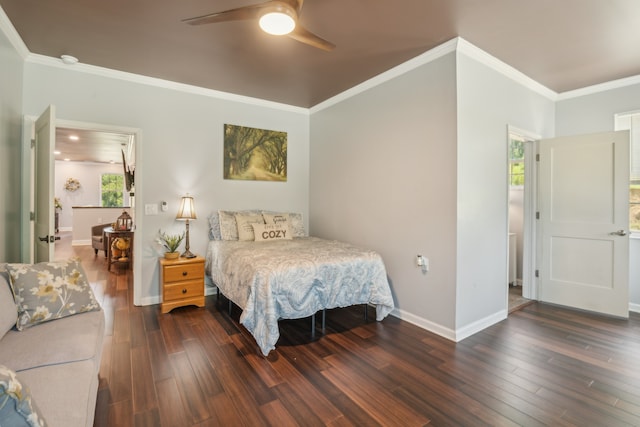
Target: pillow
[(8, 310), (50, 290), (214, 226), (266, 232), (228, 226), (16, 406), (296, 223), (278, 219), (245, 222)]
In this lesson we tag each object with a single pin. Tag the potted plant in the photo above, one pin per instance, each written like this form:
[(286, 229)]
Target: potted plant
[(171, 243)]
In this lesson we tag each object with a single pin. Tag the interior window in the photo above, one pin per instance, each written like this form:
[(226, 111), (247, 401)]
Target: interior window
[(112, 188), (631, 122)]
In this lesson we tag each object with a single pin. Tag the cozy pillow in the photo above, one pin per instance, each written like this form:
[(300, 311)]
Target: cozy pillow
[(265, 232), (281, 219), (296, 223), (244, 223), (50, 290), (8, 310), (16, 406)]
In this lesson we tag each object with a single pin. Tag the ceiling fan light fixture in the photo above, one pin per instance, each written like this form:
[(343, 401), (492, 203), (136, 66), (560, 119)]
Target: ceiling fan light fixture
[(279, 20)]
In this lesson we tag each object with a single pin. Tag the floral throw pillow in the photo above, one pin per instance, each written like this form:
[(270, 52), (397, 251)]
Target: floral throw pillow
[(50, 290), (16, 406)]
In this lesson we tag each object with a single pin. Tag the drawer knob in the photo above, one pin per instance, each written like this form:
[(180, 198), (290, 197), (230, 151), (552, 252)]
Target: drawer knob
[(184, 291), (184, 273)]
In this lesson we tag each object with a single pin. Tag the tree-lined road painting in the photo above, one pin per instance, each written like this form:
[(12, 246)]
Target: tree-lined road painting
[(254, 154)]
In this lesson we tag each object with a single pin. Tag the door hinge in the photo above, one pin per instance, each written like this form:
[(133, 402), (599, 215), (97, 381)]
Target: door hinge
[(32, 216), (33, 143), (537, 215), (537, 157), (537, 273)]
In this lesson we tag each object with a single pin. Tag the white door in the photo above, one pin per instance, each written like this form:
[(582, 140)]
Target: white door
[(45, 135), (584, 217)]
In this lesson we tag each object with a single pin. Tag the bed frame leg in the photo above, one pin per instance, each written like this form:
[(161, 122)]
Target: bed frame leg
[(230, 306), (313, 325), (324, 312), (366, 312)]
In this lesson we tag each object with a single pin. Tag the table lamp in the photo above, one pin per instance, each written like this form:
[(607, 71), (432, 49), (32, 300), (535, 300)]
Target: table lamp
[(187, 212)]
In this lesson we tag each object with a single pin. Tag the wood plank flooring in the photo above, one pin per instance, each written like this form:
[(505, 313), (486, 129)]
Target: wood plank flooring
[(545, 365)]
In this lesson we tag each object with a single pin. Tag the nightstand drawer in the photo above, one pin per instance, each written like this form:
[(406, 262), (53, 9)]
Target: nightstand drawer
[(183, 290), (177, 273)]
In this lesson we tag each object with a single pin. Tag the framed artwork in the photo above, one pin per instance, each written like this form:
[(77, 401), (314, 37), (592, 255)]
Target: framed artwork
[(254, 154)]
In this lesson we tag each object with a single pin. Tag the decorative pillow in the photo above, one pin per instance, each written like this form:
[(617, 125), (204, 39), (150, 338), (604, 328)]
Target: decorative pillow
[(228, 226), (214, 226), (16, 406), (245, 222), (296, 222), (265, 232), (50, 290), (8, 310)]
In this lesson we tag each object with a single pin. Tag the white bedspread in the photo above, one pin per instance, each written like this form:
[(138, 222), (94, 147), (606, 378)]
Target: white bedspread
[(291, 279)]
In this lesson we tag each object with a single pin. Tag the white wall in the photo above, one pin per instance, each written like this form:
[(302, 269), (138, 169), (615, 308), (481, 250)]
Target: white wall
[(89, 175), (180, 150), (594, 112), (383, 176), (11, 69), (488, 101)]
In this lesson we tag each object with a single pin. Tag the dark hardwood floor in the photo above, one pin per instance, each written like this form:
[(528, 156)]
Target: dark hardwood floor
[(197, 367)]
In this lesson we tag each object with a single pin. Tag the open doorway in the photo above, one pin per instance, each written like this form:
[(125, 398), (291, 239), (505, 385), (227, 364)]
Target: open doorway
[(522, 190)]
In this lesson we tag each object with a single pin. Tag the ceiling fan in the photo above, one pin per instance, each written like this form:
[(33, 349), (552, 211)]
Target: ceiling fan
[(278, 17)]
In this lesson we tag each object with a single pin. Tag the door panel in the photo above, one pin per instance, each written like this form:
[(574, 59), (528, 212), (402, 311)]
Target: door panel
[(45, 134), (584, 187)]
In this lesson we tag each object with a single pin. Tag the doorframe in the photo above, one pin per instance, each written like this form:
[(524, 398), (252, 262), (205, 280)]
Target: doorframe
[(27, 188), (530, 202)]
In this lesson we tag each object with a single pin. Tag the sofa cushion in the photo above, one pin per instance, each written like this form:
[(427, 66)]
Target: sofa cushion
[(8, 310), (50, 290), (65, 340), (66, 394), (17, 407)]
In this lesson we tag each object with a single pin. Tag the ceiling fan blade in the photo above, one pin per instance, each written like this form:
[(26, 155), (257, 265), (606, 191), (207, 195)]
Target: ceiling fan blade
[(303, 35), (239, 14)]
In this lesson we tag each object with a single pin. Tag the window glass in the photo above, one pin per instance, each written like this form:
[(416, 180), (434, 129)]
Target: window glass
[(516, 161), (112, 188)]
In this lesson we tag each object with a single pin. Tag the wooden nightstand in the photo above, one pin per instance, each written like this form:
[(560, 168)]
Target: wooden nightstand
[(182, 282)]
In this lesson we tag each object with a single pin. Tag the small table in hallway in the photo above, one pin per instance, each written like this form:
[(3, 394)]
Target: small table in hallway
[(127, 254)]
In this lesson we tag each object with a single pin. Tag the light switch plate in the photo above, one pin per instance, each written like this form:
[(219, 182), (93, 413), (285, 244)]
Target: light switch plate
[(151, 209)]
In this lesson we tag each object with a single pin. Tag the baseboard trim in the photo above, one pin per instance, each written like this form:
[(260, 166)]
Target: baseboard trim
[(424, 324), (633, 307), (478, 325), (80, 242)]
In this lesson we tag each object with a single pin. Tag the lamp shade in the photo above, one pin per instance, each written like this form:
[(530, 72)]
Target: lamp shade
[(187, 209)]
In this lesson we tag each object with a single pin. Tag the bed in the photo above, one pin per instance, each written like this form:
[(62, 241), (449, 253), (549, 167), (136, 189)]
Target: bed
[(295, 278)]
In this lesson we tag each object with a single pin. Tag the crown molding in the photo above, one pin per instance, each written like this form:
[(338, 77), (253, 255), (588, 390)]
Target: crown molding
[(505, 69), (602, 87), (33, 58), (12, 35)]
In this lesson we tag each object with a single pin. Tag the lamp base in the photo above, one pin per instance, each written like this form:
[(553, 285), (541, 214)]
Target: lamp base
[(188, 254)]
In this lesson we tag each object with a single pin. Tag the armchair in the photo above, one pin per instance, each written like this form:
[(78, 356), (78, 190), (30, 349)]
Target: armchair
[(98, 238)]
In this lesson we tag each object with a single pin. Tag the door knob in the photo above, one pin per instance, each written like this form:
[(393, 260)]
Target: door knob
[(618, 233)]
